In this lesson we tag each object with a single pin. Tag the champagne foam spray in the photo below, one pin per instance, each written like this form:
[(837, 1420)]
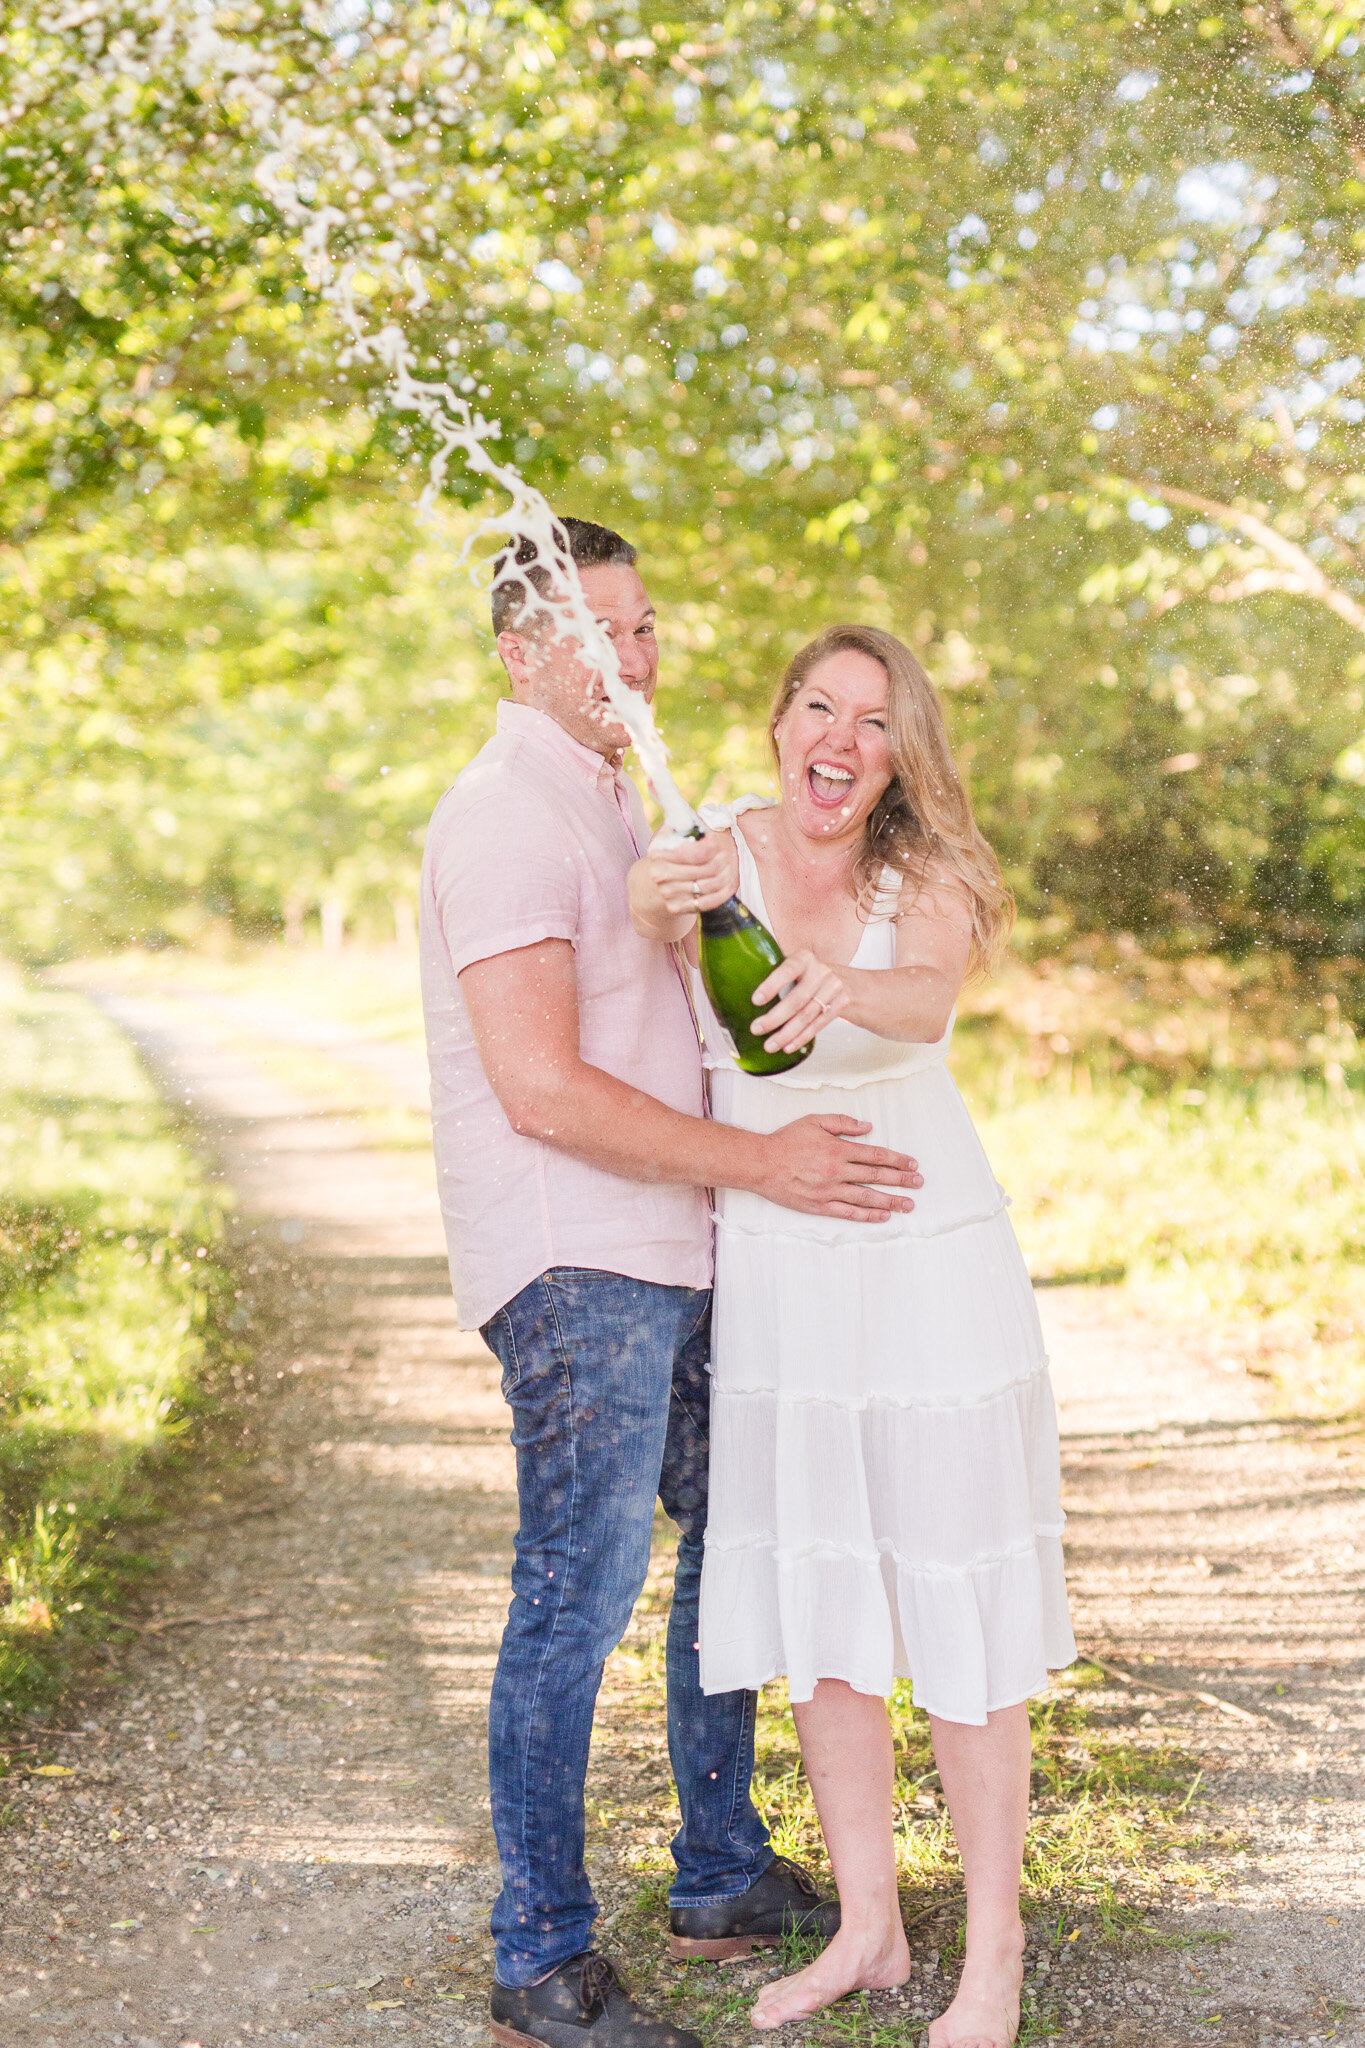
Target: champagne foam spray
[(295, 150)]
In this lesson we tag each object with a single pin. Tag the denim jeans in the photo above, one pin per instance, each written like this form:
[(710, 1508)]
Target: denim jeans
[(607, 1381)]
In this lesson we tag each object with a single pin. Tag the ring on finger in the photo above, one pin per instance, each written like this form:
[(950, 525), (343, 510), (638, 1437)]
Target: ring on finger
[(696, 892)]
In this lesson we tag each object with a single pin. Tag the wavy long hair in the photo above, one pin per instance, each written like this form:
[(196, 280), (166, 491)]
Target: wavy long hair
[(924, 817)]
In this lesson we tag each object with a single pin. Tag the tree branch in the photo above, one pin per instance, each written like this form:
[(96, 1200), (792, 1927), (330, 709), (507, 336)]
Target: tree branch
[(1308, 577), (1291, 46)]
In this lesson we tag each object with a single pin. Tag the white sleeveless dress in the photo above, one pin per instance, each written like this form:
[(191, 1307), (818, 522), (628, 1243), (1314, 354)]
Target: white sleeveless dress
[(884, 1463)]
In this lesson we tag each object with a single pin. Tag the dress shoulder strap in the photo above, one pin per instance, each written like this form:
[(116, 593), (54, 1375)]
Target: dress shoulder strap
[(724, 818), (721, 817)]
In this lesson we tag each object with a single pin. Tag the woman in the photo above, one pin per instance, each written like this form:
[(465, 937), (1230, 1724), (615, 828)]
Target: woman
[(884, 1476)]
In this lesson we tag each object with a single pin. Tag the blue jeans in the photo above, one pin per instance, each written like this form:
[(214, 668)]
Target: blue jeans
[(607, 1382)]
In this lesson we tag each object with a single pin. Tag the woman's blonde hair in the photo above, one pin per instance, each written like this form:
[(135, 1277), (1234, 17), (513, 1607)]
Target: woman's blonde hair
[(924, 818)]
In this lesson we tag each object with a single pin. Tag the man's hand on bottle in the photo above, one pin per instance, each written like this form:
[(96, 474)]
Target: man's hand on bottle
[(819, 1167), (694, 874)]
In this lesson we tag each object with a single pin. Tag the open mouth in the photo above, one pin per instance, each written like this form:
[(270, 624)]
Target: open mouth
[(828, 784)]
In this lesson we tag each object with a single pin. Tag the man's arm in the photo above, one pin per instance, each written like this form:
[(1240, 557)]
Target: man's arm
[(523, 1007)]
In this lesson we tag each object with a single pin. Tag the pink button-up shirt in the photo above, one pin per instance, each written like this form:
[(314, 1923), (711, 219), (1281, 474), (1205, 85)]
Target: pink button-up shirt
[(534, 841)]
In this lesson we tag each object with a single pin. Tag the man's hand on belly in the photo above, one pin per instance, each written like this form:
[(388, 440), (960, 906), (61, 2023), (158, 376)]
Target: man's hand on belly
[(817, 1166)]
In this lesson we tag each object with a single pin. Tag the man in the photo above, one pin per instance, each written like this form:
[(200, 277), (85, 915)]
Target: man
[(573, 1156)]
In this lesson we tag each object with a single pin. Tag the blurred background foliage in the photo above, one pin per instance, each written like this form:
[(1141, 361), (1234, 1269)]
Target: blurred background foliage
[(1030, 329)]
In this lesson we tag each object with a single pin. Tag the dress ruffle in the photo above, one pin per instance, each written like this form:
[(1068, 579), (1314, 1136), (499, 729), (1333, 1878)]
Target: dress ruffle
[(971, 1644), (934, 1320), (873, 1537)]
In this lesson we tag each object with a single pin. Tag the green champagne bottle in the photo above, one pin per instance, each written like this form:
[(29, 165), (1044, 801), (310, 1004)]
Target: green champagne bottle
[(737, 953)]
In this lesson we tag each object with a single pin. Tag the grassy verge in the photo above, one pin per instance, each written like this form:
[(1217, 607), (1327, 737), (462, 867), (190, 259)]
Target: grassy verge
[(1194, 1133), (110, 1295), (374, 990)]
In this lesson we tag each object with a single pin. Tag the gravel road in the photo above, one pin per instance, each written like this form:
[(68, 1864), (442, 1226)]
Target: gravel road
[(272, 1824)]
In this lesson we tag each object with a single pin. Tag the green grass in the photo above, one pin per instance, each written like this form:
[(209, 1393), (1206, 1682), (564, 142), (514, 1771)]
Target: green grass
[(375, 990), (1198, 1138), (1110, 1820), (109, 1298), (1116, 1832)]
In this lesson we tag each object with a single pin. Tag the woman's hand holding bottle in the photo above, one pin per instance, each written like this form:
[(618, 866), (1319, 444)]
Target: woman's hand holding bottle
[(812, 995)]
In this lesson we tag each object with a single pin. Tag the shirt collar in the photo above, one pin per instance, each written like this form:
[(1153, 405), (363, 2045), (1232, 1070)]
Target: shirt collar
[(540, 729)]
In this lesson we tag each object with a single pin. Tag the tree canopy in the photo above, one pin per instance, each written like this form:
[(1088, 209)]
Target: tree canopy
[(1032, 331)]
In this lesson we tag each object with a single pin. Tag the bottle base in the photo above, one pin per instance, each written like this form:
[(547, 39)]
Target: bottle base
[(774, 1062)]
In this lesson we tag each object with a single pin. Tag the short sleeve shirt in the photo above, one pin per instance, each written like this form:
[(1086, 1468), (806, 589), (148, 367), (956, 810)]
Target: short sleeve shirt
[(532, 841)]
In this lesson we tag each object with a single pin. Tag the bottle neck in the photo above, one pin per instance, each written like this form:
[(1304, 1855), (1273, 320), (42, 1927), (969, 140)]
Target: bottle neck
[(726, 919)]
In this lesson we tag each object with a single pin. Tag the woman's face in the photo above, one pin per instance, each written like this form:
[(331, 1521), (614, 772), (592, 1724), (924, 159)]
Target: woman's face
[(833, 747)]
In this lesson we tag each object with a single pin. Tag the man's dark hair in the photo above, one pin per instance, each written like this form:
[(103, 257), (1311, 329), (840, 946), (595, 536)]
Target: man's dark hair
[(590, 546)]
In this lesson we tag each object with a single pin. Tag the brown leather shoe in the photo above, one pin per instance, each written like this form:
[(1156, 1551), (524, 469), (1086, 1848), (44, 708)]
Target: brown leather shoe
[(783, 1901), (582, 2004)]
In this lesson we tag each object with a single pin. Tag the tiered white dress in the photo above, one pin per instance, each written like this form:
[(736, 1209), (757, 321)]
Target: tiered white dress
[(884, 1461)]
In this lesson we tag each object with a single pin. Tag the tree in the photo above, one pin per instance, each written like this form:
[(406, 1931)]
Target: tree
[(1031, 330)]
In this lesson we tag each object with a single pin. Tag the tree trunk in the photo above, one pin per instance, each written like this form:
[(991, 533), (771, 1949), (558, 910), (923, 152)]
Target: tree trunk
[(333, 924), (404, 921)]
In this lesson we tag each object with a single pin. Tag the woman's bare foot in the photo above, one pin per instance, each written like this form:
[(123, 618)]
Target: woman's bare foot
[(985, 2012), (852, 1962)]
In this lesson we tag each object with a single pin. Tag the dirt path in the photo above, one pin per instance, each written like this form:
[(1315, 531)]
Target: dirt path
[(276, 1830), (1219, 1549)]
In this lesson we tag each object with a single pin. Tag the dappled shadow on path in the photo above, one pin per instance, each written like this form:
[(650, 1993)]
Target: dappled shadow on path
[(383, 1432), (286, 1796), (1201, 1531)]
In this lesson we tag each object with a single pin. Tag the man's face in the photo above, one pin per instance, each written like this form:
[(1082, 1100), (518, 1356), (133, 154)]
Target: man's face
[(552, 675)]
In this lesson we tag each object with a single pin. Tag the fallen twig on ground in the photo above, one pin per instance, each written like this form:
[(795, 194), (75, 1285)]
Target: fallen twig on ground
[(9, 1744), (938, 1906), (155, 1628), (1181, 1692)]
